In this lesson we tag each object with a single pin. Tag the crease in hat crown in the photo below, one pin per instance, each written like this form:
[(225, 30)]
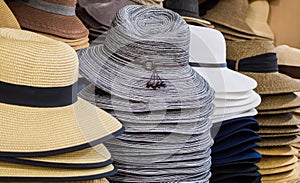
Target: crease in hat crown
[(164, 36), (30, 59)]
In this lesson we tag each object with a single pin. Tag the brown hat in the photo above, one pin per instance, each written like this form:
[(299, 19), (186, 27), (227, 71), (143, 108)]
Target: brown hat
[(277, 151), (55, 17), (230, 13), (286, 119), (280, 101), (8, 20)]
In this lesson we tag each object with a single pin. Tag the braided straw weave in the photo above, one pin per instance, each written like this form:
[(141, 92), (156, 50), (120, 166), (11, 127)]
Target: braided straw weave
[(158, 3), (271, 171), (8, 20), (280, 101), (276, 161), (32, 60), (277, 151), (103, 180)]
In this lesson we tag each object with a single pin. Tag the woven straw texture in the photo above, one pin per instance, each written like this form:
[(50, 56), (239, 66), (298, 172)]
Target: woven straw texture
[(71, 42), (281, 101), (279, 111), (103, 180), (244, 49), (279, 141), (232, 32), (8, 20), (279, 134), (64, 26), (279, 129), (276, 161), (281, 177), (270, 171), (34, 60), (230, 13), (283, 119), (158, 3), (277, 151)]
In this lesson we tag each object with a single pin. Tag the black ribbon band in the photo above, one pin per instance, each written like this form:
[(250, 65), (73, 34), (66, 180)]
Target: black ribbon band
[(263, 63), (37, 96), (196, 64)]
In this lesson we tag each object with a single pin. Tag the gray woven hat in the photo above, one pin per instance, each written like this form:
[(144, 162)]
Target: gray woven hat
[(144, 58)]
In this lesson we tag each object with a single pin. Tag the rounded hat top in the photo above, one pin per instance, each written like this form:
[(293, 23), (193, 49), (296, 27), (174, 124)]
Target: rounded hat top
[(208, 58), (8, 20), (33, 60)]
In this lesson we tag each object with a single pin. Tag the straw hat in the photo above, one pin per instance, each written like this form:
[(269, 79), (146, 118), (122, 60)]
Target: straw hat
[(277, 151), (281, 177), (103, 180), (279, 141), (257, 18), (287, 60), (158, 3), (279, 129), (278, 134), (40, 89), (19, 172), (279, 111), (271, 171), (276, 161), (230, 13), (142, 74), (240, 36), (189, 10), (208, 58), (93, 157), (104, 11), (286, 119), (264, 69), (58, 17), (8, 20), (281, 101)]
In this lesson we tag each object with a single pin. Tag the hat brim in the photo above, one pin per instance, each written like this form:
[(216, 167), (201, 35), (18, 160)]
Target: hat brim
[(93, 157), (278, 130), (198, 21), (51, 131), (234, 95), (102, 180), (277, 151), (233, 32), (63, 26), (271, 171), (283, 119), (224, 80), (20, 172), (274, 83), (282, 101), (220, 118), (279, 141), (276, 161), (278, 134), (236, 103), (282, 177), (261, 29), (279, 111), (8, 20)]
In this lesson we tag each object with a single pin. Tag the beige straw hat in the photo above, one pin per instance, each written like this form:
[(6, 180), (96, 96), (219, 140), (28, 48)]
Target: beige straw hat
[(41, 114), (230, 13), (8, 19), (279, 134), (158, 3), (279, 129), (279, 111), (281, 177), (93, 157), (20, 172), (287, 55), (277, 151), (239, 35), (276, 161), (257, 17), (85, 45), (280, 101), (284, 119), (281, 169), (103, 180), (297, 145), (279, 141)]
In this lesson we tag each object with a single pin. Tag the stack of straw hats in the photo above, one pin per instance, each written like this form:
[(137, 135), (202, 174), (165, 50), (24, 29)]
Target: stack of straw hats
[(279, 129), (241, 20), (97, 16), (143, 79), (234, 125), (55, 19), (48, 133)]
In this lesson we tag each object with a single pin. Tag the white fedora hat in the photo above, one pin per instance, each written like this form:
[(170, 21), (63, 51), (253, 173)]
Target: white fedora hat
[(234, 95), (220, 118), (208, 58), (219, 103)]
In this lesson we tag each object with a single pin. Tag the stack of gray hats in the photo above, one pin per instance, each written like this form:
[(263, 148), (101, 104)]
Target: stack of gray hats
[(140, 75)]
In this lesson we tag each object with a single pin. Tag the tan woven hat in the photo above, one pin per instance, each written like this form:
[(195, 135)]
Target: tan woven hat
[(279, 141), (270, 171), (279, 111), (240, 35), (279, 129), (279, 134), (58, 17), (103, 180), (277, 151), (285, 119), (280, 101), (20, 172), (281, 177), (257, 17), (41, 114), (230, 13), (276, 161), (158, 3), (7, 20), (71, 42)]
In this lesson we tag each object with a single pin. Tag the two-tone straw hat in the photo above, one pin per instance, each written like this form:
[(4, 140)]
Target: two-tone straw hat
[(38, 84), (8, 20)]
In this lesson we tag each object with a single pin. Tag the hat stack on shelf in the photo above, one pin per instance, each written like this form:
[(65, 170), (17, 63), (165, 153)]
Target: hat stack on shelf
[(234, 125), (163, 103), (55, 19), (48, 133)]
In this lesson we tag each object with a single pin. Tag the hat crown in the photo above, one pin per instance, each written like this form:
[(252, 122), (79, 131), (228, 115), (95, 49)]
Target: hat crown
[(184, 8), (30, 59), (149, 32), (258, 10), (208, 41), (234, 8)]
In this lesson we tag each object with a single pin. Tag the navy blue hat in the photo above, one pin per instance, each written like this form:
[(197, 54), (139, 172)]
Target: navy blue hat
[(234, 168), (252, 177), (249, 155)]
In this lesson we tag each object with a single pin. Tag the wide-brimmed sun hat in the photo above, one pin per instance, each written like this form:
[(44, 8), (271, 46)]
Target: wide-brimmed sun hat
[(220, 118), (103, 180), (8, 20), (279, 141), (234, 95), (283, 119), (59, 17), (40, 111), (276, 161), (280, 101), (208, 58), (277, 151), (281, 177), (139, 62), (271, 171)]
